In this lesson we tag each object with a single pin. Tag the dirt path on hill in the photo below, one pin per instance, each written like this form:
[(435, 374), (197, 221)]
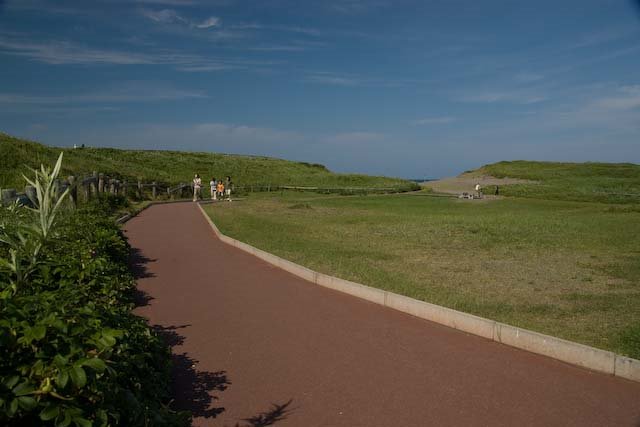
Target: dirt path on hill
[(256, 346)]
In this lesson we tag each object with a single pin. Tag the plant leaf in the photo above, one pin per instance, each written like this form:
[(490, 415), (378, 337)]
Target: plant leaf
[(27, 402), (62, 378), (49, 413), (95, 364), (78, 376)]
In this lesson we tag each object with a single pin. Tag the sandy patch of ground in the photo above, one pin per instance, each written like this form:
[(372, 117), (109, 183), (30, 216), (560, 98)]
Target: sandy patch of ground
[(467, 183)]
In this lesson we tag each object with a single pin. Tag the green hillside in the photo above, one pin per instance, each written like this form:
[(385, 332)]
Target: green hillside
[(172, 167), (600, 182)]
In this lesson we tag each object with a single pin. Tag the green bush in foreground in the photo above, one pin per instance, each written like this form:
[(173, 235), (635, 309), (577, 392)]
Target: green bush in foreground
[(71, 352)]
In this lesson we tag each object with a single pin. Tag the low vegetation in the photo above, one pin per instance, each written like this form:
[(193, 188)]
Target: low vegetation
[(569, 269), (592, 182), (71, 351), (172, 167)]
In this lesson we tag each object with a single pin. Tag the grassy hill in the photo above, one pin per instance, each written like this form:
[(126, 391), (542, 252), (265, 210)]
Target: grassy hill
[(17, 155), (600, 182)]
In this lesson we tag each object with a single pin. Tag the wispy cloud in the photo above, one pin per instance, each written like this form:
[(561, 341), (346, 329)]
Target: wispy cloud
[(602, 37), (125, 92), (433, 121), (333, 79), (171, 16), (65, 52), (512, 96), (164, 16), (209, 22), (282, 28), (626, 98)]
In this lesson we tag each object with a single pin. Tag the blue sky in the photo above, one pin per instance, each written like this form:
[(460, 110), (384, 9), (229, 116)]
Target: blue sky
[(405, 88)]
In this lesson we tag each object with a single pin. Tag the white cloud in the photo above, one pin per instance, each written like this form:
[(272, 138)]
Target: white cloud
[(515, 96), (127, 92), (164, 16), (170, 16), (209, 22), (336, 79), (64, 52), (628, 98), (433, 121)]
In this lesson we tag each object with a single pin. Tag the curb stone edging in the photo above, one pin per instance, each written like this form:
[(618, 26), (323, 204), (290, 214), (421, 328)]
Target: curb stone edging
[(524, 339)]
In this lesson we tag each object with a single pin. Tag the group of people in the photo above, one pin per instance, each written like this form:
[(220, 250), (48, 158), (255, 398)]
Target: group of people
[(219, 188)]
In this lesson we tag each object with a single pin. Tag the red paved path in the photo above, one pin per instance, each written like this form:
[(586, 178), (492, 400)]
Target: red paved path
[(269, 337)]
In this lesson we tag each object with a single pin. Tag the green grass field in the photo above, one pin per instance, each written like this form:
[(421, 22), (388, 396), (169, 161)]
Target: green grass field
[(599, 182), (172, 167), (569, 269)]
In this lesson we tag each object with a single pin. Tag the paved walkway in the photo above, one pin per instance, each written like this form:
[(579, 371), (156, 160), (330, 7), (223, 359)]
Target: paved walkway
[(256, 346)]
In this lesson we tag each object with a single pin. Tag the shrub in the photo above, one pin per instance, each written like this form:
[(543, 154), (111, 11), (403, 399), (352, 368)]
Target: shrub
[(71, 351)]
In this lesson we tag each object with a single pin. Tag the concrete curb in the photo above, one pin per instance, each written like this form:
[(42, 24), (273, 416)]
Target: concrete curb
[(534, 342)]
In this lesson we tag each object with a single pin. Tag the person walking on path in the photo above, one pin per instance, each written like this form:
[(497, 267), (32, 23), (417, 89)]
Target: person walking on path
[(220, 188), (228, 187), (197, 185), (478, 190), (212, 184)]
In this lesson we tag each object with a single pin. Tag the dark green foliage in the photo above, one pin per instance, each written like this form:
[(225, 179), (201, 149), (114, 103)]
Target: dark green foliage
[(71, 351)]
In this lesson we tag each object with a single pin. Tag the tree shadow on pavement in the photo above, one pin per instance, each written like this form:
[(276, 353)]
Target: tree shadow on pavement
[(268, 418), (192, 389), (138, 266)]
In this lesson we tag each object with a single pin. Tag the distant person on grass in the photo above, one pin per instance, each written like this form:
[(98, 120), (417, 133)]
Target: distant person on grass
[(197, 185), (213, 183), (228, 187)]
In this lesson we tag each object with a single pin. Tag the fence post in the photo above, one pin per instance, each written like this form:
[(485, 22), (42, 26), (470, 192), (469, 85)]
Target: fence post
[(93, 188), (86, 189), (125, 186), (169, 193), (73, 189), (100, 183), (139, 189), (8, 195), (153, 190)]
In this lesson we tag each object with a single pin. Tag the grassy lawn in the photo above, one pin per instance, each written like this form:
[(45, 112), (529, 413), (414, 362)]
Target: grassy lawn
[(601, 182), (568, 269)]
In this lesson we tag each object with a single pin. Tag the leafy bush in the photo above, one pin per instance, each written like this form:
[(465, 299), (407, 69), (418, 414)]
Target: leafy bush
[(71, 351)]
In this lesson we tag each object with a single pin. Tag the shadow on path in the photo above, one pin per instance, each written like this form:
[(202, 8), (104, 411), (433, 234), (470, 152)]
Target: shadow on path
[(192, 389), (268, 418), (138, 266)]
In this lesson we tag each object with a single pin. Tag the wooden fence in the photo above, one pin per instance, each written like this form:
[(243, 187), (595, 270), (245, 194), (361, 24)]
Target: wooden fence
[(87, 188)]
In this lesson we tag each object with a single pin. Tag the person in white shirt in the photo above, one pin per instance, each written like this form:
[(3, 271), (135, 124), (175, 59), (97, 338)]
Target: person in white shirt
[(197, 185), (213, 184), (479, 190)]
